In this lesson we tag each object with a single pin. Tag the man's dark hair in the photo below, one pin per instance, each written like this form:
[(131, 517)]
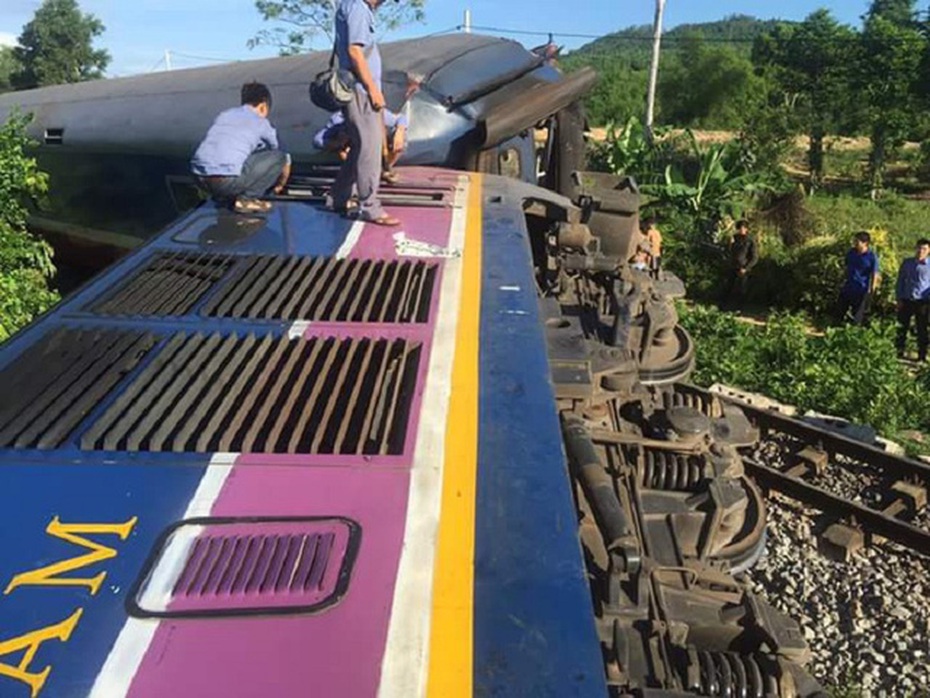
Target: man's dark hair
[(649, 221), (863, 237), (255, 93), (742, 224), (923, 241)]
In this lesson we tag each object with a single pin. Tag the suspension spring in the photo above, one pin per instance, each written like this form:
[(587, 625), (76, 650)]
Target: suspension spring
[(701, 403), (732, 675), (673, 472)]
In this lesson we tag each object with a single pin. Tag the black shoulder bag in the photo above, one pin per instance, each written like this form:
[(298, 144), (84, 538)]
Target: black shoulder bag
[(332, 89)]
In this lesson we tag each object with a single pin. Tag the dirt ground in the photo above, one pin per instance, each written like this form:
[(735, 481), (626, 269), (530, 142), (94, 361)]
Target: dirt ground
[(599, 134)]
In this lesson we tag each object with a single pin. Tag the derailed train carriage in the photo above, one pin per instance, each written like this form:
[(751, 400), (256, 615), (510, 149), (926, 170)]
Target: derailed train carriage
[(118, 150), (290, 455)]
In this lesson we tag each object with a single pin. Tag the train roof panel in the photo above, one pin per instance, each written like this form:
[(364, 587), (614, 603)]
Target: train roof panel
[(269, 453)]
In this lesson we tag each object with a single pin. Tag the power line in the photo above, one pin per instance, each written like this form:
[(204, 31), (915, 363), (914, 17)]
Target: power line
[(670, 37), (205, 58)]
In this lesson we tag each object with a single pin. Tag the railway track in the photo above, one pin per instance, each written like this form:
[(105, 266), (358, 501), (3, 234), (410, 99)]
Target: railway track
[(892, 491)]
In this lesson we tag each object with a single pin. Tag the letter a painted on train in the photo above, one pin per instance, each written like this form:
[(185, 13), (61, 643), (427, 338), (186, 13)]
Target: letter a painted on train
[(73, 533), (29, 644)]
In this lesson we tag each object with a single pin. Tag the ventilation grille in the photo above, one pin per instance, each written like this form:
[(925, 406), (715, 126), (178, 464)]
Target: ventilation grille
[(54, 136), (328, 290), (211, 566), (171, 284), (318, 289), (265, 395), (49, 390)]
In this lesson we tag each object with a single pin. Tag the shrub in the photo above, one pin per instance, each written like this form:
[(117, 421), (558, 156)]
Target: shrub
[(25, 261), (848, 371)]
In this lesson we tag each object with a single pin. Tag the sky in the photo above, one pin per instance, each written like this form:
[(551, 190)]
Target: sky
[(202, 32)]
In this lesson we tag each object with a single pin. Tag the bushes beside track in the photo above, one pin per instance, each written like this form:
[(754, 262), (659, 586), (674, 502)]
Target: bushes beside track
[(847, 371)]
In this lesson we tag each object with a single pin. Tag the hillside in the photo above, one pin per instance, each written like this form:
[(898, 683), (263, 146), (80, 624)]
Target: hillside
[(633, 44), (720, 50)]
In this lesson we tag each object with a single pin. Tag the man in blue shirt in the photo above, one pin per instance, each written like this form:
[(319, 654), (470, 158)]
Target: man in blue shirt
[(239, 160), (358, 52), (913, 293), (862, 270), (334, 138)]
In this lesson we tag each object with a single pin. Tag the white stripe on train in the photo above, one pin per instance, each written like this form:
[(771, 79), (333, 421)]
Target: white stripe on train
[(404, 671), (124, 660)]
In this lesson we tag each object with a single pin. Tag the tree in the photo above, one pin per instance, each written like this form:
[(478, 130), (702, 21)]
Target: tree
[(9, 66), (810, 60), (900, 12), (25, 261), (886, 79), (304, 20), (707, 86), (56, 47)]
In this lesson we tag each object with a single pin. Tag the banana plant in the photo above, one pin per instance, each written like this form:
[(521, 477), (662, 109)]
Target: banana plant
[(717, 185)]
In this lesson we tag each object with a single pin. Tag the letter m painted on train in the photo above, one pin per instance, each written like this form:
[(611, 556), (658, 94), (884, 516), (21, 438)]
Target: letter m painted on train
[(52, 575)]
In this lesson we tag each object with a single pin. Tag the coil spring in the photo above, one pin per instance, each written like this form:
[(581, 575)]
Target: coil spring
[(699, 402), (673, 472), (732, 675)]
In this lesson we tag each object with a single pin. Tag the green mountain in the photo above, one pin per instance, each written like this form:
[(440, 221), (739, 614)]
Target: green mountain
[(634, 44), (718, 50)]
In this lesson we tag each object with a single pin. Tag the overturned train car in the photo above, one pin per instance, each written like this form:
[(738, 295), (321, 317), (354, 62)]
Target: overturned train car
[(118, 150), (459, 462), (250, 412)]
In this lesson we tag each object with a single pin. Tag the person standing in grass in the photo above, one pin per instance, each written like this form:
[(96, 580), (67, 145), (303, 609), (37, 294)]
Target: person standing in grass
[(654, 241), (913, 294), (862, 270), (743, 257)]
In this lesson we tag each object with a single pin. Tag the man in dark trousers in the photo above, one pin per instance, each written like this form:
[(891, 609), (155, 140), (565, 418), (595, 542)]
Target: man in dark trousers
[(239, 159), (862, 272), (357, 51), (743, 257), (913, 293)]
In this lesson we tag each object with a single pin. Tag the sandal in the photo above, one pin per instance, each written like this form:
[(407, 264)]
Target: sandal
[(390, 177), (350, 208), (251, 206), (385, 220)]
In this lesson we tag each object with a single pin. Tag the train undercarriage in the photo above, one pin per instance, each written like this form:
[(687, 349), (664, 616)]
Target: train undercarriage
[(668, 517)]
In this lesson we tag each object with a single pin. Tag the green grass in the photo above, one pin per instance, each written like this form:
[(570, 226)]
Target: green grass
[(906, 220), (850, 372)]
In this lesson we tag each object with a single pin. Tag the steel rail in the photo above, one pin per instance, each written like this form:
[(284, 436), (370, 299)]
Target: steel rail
[(832, 442), (872, 520)]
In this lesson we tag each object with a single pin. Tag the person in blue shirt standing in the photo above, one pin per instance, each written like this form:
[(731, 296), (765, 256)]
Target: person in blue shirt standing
[(239, 160), (357, 51), (862, 272), (913, 293)]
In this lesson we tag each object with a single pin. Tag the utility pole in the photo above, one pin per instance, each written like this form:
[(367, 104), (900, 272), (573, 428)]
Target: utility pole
[(467, 25), (167, 59), (654, 70)]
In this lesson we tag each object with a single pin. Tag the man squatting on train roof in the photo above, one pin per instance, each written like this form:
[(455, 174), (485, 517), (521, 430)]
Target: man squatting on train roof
[(239, 159), (357, 52)]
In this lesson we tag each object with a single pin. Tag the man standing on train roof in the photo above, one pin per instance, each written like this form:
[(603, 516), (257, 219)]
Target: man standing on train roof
[(913, 294), (357, 52), (239, 159), (862, 272)]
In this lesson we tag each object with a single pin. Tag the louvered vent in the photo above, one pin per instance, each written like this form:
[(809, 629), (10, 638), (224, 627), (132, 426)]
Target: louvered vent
[(225, 567), (49, 390), (327, 290), (171, 284), (265, 395), (320, 289)]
